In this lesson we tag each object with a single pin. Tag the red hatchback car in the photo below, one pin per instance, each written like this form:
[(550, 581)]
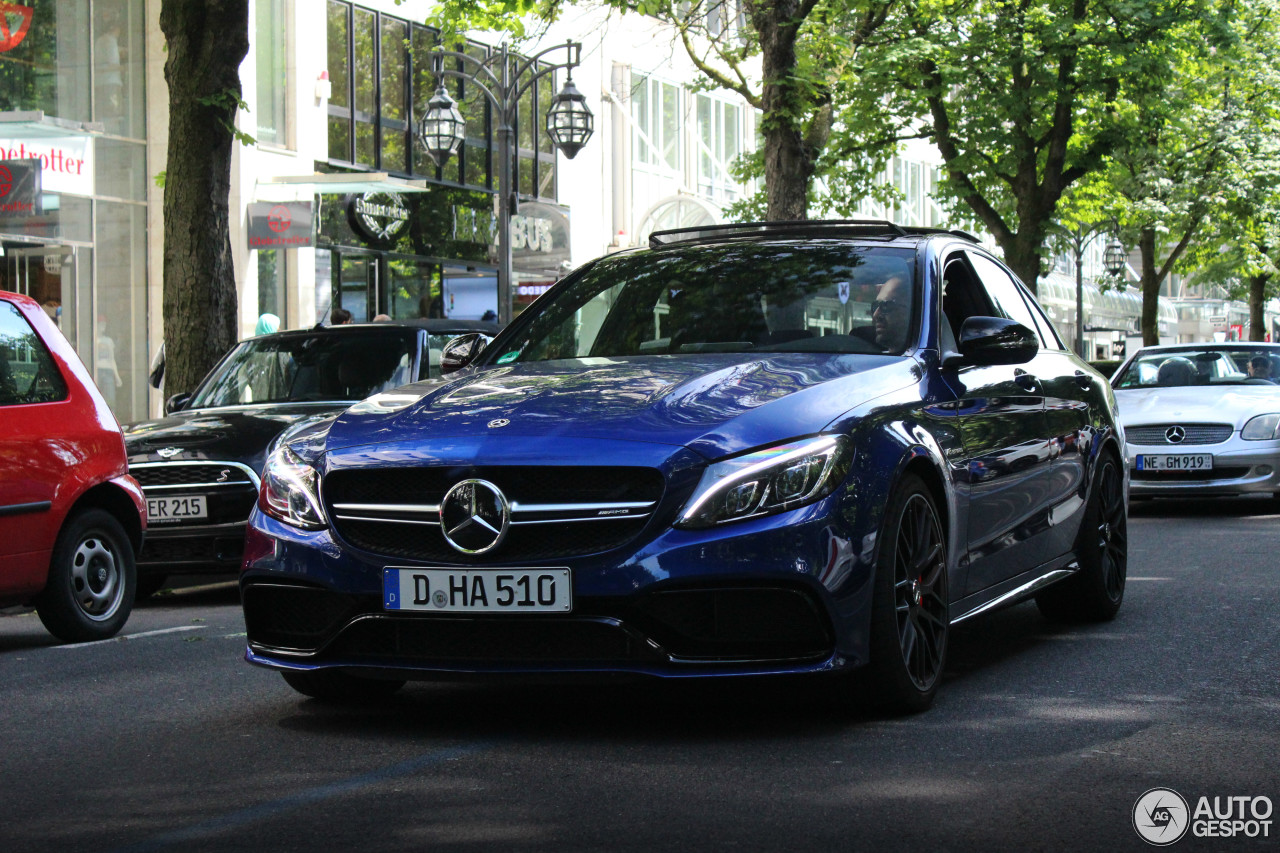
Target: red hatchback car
[(71, 517)]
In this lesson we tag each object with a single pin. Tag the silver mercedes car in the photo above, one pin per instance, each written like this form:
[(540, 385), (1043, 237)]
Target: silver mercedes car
[(1201, 419)]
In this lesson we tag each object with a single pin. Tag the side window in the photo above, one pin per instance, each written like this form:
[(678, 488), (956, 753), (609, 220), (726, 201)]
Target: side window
[(28, 373), (1004, 290), (962, 297), (1048, 334)]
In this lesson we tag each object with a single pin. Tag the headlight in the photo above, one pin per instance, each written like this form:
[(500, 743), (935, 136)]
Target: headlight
[(768, 481), (291, 491), (1262, 428)]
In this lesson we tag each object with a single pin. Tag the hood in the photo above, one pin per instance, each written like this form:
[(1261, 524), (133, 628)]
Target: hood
[(232, 434), (713, 403), (1233, 404)]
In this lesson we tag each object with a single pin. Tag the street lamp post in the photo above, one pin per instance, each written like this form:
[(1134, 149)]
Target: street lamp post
[(442, 129)]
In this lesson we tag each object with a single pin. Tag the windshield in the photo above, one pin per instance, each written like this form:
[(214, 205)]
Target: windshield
[(280, 369), (1208, 365), (740, 297)]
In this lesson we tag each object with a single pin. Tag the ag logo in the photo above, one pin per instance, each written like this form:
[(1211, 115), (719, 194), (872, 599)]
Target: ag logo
[(14, 21), (6, 180), (1161, 816)]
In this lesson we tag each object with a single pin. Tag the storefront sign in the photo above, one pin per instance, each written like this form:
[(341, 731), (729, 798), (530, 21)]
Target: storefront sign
[(67, 162), (280, 226), (20, 188), (540, 237), (379, 215)]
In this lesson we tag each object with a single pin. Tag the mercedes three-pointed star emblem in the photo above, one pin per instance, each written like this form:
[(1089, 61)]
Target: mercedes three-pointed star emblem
[(1175, 434), (474, 516)]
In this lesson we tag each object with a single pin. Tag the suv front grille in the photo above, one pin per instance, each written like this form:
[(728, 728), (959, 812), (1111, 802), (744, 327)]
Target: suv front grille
[(555, 512)]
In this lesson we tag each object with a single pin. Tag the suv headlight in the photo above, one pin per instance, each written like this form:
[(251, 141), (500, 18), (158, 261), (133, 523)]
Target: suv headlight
[(1262, 428), (291, 491), (768, 481)]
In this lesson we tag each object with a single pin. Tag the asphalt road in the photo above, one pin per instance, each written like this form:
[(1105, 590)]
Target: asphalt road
[(1043, 737)]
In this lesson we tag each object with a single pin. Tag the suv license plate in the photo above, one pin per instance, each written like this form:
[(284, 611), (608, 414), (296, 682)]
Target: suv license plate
[(176, 508), (478, 590), (1175, 462)]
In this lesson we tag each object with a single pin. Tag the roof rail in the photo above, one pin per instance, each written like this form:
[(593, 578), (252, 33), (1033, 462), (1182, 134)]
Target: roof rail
[(792, 228)]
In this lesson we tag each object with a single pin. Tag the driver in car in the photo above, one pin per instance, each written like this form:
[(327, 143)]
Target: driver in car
[(891, 314), (1260, 368)]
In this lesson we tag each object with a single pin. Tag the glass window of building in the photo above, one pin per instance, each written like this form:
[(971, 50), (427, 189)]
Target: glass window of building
[(269, 38), (272, 283), (719, 144), (655, 114)]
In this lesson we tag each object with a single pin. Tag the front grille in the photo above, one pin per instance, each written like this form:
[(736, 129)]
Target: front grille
[(1198, 476), (556, 512), (198, 475), (501, 641), (690, 626), (1195, 434)]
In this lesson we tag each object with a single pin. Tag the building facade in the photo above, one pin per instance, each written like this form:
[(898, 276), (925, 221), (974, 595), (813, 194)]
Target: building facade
[(336, 204)]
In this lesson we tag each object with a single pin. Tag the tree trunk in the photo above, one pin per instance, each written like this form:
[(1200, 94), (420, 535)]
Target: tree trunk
[(1150, 288), (1022, 253), (1258, 301), (788, 158), (206, 41)]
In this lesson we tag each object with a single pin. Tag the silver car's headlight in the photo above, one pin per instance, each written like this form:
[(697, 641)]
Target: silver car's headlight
[(1262, 428), (291, 491), (768, 481)]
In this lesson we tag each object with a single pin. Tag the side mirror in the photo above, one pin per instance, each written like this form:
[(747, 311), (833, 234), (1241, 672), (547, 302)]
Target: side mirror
[(461, 351), (994, 340), (176, 402)]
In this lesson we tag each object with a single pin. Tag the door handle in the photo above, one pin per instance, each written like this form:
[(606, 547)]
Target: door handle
[(1025, 381), (1084, 380)]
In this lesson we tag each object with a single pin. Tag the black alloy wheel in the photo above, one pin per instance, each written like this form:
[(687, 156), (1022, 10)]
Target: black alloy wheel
[(1095, 592), (911, 619)]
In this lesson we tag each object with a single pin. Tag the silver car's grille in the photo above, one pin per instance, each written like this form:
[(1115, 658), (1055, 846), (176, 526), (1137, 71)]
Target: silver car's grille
[(1169, 433)]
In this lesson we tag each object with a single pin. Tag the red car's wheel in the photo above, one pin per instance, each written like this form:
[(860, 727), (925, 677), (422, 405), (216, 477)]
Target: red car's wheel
[(90, 589)]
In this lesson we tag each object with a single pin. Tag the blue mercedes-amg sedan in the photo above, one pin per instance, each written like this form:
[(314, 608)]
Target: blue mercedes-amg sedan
[(759, 449)]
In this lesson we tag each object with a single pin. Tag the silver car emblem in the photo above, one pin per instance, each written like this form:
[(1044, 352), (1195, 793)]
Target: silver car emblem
[(223, 475), (498, 423), (168, 452), (474, 516), (1175, 434)]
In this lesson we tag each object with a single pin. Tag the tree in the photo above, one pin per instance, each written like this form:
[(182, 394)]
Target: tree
[(802, 48), (206, 42), (1022, 99)]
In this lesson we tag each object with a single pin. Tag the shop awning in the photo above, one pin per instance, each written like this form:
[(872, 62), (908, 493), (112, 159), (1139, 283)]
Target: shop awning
[(341, 183), (34, 124)]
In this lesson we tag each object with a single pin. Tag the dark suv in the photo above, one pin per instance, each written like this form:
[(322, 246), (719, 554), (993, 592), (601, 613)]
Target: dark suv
[(199, 465), (745, 450)]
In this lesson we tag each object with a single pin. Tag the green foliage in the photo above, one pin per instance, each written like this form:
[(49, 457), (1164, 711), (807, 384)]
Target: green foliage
[(225, 103)]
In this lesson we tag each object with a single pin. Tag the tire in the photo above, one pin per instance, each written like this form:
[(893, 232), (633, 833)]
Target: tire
[(1095, 592), (910, 614), (92, 574), (334, 686), (149, 585)]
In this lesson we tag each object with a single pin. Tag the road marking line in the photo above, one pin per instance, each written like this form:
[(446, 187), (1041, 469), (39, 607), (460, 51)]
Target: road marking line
[(139, 635), (308, 797)]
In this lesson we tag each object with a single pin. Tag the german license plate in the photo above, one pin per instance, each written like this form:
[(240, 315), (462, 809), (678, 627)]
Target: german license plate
[(478, 590), (1175, 462), (176, 508)]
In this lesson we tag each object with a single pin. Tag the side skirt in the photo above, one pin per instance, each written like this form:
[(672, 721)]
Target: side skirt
[(1014, 590)]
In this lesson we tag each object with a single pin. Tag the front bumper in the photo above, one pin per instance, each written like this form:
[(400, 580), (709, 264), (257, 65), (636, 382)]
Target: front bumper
[(1239, 468), (778, 596), (193, 548)]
